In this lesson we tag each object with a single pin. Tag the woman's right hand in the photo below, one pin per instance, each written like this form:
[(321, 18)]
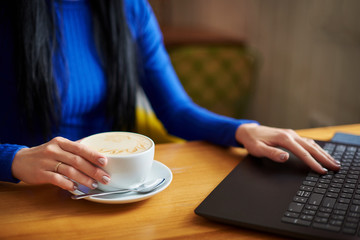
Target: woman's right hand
[(40, 164)]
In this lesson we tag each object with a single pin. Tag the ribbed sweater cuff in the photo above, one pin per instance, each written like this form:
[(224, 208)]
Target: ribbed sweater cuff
[(7, 154)]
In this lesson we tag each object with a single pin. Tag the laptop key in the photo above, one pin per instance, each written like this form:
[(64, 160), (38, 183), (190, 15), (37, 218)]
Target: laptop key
[(300, 199), (312, 207), (326, 227), (306, 217), (321, 220), (296, 221), (315, 199), (323, 215), (352, 219), (334, 190), (350, 225), (342, 206), (332, 195), (336, 222), (351, 231), (292, 214), (357, 196), (309, 183), (339, 212), (344, 200), (306, 188), (320, 190), (296, 207), (338, 217), (347, 195), (329, 202), (326, 210), (355, 208), (303, 193)]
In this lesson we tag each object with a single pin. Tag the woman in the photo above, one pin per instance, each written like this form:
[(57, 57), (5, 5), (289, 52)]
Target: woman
[(72, 69)]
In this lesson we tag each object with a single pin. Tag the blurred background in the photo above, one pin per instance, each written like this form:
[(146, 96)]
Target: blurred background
[(301, 58)]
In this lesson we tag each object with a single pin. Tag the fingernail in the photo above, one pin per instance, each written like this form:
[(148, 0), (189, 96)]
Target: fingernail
[(337, 162), (94, 185), (75, 187), (106, 179), (283, 156), (102, 161), (325, 170)]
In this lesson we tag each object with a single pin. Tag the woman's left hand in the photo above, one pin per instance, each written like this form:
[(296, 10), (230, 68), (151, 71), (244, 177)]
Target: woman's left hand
[(262, 141)]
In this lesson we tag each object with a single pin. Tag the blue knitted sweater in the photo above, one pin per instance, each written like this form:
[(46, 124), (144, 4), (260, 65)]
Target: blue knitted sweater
[(83, 98)]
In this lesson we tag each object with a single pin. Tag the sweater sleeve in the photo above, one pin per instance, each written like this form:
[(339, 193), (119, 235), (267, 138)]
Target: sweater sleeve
[(179, 114), (7, 154)]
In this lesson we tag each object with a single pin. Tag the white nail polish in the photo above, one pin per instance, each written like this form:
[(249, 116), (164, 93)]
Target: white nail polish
[(283, 156), (102, 161), (94, 185), (106, 179)]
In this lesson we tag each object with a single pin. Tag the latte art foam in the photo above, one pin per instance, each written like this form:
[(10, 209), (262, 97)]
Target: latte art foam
[(119, 143)]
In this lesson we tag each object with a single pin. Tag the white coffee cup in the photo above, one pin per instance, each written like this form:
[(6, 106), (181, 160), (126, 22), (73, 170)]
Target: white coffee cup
[(130, 157)]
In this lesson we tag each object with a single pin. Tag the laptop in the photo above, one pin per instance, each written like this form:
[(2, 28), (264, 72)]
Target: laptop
[(289, 199)]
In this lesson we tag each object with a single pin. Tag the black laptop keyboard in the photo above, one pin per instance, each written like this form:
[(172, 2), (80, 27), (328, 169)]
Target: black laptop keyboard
[(332, 201)]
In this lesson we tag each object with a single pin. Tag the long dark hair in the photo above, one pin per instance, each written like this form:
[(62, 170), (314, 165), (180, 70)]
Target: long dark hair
[(36, 39)]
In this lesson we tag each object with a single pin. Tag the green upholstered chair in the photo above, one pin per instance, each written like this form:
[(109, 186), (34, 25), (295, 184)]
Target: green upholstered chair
[(217, 72)]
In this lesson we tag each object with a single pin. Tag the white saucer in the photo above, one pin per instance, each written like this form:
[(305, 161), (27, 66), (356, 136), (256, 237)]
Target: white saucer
[(158, 170)]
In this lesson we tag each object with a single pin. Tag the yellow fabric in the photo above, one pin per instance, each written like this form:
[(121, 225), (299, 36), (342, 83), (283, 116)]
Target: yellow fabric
[(149, 125)]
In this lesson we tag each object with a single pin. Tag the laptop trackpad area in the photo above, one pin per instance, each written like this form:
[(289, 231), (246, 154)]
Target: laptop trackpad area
[(256, 193)]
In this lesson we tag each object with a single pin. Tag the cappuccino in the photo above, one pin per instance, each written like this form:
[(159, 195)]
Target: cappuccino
[(119, 143), (130, 157)]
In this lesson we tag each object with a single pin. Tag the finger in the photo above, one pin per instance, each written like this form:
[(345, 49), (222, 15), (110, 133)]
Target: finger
[(72, 154), (272, 153), (81, 150), (320, 154), (77, 167), (77, 176), (304, 155), (60, 181), (76, 161)]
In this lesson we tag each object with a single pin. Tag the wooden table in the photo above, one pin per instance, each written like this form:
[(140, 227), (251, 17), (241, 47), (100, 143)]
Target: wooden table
[(47, 212)]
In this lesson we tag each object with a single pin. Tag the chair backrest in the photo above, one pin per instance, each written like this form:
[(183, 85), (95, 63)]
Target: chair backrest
[(218, 72), (219, 77)]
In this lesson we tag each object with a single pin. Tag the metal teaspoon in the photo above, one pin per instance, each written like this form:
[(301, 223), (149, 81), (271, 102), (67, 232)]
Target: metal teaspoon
[(143, 188)]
